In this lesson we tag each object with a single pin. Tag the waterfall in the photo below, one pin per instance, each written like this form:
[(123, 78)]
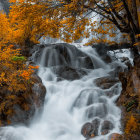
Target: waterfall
[(70, 103)]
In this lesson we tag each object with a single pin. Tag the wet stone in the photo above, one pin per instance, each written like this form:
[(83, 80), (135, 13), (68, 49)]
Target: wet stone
[(98, 111), (106, 127), (90, 100), (90, 130), (87, 129), (115, 136), (95, 123), (106, 82)]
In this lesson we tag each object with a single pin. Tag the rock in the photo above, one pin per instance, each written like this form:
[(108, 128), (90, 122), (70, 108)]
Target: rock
[(90, 100), (117, 68), (137, 61), (112, 92), (87, 130), (104, 49), (19, 107), (99, 111), (95, 123), (83, 98), (106, 127), (68, 73), (90, 130), (36, 78), (86, 62), (106, 82), (124, 59), (129, 97), (63, 54), (107, 58), (40, 91), (115, 136)]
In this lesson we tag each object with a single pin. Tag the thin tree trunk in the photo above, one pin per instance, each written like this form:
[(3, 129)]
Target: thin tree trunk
[(135, 51), (135, 13)]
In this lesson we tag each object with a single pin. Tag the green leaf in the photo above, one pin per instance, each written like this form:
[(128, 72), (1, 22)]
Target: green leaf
[(18, 58)]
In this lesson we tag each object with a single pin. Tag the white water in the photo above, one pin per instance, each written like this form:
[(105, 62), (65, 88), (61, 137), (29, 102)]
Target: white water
[(66, 110)]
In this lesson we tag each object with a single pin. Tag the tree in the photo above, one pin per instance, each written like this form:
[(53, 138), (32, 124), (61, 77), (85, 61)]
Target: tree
[(14, 73), (68, 19)]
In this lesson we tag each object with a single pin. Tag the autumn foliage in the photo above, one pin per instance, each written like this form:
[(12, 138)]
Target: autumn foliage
[(13, 71), (15, 74), (131, 126), (71, 20)]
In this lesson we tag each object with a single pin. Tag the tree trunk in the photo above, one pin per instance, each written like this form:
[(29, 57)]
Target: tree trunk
[(135, 13), (135, 51)]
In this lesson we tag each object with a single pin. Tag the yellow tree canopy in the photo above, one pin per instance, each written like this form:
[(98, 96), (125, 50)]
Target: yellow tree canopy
[(68, 19), (14, 73)]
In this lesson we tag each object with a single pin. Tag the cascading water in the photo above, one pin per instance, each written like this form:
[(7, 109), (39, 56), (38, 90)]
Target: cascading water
[(70, 103)]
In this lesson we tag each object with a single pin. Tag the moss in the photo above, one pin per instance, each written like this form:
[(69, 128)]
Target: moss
[(18, 58)]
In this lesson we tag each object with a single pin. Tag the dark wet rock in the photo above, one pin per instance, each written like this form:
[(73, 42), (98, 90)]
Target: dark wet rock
[(90, 100), (103, 49), (63, 54), (106, 82), (36, 78), (117, 68), (124, 59), (86, 97), (90, 130), (97, 111), (114, 91), (136, 61), (21, 106), (116, 136), (87, 130), (101, 110), (95, 123), (86, 62), (107, 58), (102, 100), (106, 127), (39, 91), (80, 100), (68, 73)]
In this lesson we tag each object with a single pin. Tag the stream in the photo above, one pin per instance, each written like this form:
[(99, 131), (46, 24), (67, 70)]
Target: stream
[(71, 99)]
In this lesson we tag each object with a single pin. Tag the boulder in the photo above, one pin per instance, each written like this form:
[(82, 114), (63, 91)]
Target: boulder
[(20, 107), (95, 123), (62, 54), (106, 82), (81, 101), (90, 130), (87, 130), (106, 127), (115, 136), (117, 68), (136, 61), (68, 73), (98, 111)]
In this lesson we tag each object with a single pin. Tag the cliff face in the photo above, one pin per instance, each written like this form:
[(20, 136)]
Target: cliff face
[(129, 101)]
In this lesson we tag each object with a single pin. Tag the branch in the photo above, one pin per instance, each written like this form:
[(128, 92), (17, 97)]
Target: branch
[(129, 16), (107, 17)]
